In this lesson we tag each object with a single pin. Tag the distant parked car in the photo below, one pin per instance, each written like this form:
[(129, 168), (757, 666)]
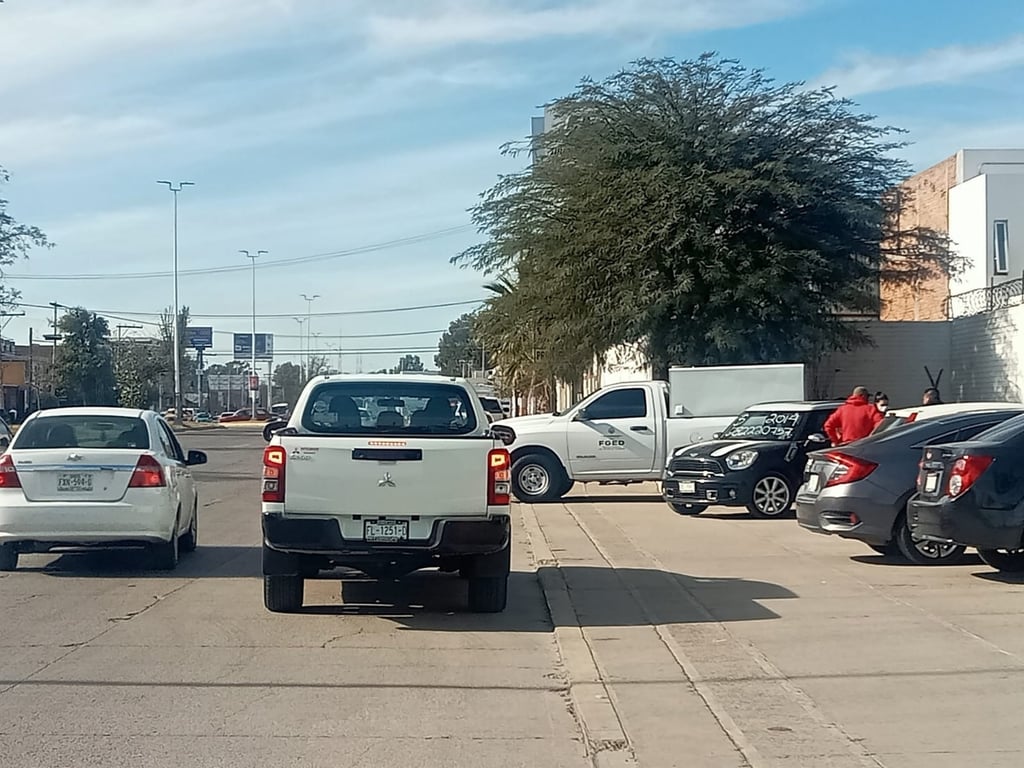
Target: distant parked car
[(860, 490), (203, 417), (972, 494), (243, 415)]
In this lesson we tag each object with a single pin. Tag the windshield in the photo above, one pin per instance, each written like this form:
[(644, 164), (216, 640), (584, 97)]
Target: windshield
[(764, 425), (389, 408), (112, 432)]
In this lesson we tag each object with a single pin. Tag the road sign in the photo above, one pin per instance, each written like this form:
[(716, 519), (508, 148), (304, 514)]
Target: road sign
[(225, 382), (200, 337), (264, 346)]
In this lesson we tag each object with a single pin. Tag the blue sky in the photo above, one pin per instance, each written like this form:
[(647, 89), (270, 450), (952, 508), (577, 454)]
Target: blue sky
[(319, 126)]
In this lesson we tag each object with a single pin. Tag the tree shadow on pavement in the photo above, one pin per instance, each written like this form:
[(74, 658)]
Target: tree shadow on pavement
[(600, 597)]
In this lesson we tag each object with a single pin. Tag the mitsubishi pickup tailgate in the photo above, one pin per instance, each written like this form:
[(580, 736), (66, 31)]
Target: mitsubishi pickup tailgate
[(383, 477)]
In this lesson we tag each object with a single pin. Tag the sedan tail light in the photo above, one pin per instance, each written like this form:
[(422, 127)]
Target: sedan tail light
[(966, 471), (148, 473), (849, 469), (8, 473)]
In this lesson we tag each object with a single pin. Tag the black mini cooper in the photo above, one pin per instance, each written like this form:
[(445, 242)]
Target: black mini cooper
[(757, 462)]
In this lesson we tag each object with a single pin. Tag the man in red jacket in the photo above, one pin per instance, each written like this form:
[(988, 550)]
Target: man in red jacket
[(854, 419)]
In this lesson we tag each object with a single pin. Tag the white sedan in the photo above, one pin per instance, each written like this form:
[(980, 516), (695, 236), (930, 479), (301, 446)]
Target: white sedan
[(97, 477)]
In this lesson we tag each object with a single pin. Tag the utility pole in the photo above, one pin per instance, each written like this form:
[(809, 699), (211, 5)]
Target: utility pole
[(54, 337), (253, 391), (175, 189), (309, 329), (301, 321), (31, 371)]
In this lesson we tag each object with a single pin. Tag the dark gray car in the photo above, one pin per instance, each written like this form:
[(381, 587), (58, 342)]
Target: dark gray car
[(860, 490)]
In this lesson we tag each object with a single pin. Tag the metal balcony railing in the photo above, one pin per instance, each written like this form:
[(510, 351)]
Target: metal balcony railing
[(1000, 296)]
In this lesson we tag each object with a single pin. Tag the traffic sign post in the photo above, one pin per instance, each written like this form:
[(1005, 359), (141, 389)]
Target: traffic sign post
[(254, 383), (264, 346)]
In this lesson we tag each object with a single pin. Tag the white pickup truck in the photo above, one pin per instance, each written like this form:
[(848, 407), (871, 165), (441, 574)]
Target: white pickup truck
[(626, 432), (414, 481)]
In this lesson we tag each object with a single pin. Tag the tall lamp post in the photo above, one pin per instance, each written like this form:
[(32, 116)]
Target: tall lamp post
[(175, 189), (253, 391), (309, 330), (301, 321)]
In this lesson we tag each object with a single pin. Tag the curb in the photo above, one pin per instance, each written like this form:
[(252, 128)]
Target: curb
[(604, 736)]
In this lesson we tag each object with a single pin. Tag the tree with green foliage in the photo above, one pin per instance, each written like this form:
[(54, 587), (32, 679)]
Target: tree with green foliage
[(458, 347), (16, 240), (408, 363), (166, 352), (85, 361), (701, 210), (288, 381), (137, 371)]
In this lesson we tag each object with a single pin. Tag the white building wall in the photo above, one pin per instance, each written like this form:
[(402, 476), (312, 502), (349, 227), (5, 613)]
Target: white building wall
[(987, 357), (975, 162), (969, 232), (1006, 201)]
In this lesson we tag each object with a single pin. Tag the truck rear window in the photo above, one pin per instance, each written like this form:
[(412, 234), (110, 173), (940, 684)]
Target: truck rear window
[(389, 407)]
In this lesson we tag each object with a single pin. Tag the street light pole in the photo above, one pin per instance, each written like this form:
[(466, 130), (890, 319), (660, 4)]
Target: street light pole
[(253, 391), (175, 189), (301, 321), (309, 330)]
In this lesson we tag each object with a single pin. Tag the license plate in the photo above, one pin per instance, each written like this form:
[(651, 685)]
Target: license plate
[(931, 482), (388, 531), (74, 482), (813, 483), (687, 486)]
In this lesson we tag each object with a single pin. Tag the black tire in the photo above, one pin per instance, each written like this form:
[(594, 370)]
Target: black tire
[(190, 538), (1007, 561), (283, 594), (569, 485), (167, 553), (8, 557), (683, 508), (538, 478), (488, 594), (771, 497), (925, 552)]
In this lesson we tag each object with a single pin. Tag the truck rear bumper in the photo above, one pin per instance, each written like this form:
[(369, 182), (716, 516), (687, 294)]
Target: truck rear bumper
[(448, 538)]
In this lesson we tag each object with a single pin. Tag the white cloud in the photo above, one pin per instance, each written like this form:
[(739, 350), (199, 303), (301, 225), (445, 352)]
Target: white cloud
[(867, 73), (458, 22)]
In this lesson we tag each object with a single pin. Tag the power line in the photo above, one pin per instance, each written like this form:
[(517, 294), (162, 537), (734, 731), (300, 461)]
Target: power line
[(328, 353), (272, 264), (284, 315)]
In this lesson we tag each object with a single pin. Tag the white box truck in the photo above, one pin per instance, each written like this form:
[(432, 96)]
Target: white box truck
[(625, 433)]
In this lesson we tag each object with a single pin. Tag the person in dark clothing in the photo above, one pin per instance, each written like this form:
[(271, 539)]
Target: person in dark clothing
[(931, 397), (854, 419), (881, 402)]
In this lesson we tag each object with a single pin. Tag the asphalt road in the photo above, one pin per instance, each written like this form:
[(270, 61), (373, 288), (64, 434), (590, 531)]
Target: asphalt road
[(633, 637)]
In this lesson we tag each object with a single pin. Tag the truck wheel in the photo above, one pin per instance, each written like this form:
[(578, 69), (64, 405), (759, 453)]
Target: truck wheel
[(687, 509), (771, 497), (8, 557), (925, 552), (488, 595), (1007, 560), (538, 478), (282, 594)]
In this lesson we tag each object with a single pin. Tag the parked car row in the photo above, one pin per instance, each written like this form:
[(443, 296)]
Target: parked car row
[(928, 483)]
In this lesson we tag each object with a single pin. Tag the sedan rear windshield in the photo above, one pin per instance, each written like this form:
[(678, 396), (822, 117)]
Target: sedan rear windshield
[(111, 432), (389, 408)]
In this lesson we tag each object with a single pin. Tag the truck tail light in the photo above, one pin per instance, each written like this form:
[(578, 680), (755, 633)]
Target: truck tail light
[(966, 471), (8, 473), (148, 473), (499, 478), (273, 473), (849, 469)]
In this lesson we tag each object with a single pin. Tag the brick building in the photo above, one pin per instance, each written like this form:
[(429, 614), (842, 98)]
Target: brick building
[(977, 198)]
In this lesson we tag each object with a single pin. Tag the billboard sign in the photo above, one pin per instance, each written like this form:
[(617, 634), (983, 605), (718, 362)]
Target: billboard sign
[(200, 337), (264, 346)]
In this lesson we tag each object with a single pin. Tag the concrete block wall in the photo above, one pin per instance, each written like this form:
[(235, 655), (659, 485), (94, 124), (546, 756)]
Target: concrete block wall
[(894, 365), (987, 357)]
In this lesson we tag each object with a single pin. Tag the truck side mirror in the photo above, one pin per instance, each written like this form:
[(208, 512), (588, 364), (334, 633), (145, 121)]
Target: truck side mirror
[(582, 415), (716, 436)]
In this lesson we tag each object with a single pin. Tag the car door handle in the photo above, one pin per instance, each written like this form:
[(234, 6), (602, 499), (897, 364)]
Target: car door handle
[(639, 429)]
